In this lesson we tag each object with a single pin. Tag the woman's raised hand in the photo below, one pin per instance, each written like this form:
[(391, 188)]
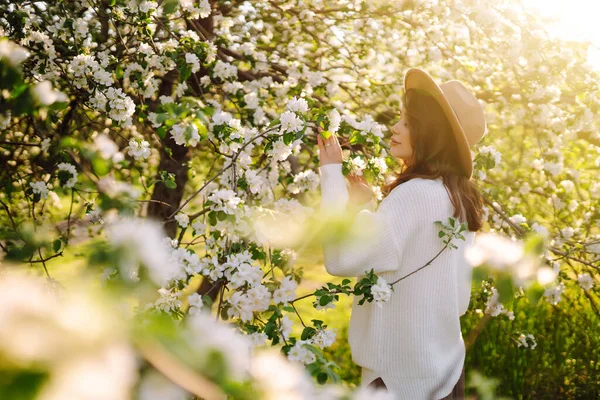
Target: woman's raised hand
[(330, 151), (359, 191)]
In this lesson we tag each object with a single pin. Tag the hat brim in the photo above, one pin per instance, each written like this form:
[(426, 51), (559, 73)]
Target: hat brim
[(416, 78)]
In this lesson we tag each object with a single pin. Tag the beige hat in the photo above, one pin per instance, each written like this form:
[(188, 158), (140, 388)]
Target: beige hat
[(461, 107)]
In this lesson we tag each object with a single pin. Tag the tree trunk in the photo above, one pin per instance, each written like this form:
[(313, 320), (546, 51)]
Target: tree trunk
[(176, 164)]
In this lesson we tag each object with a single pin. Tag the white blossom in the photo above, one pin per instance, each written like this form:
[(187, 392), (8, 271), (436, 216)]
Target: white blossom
[(182, 220), (252, 101), (334, 120), (40, 188), (193, 60), (304, 181), (518, 219), (5, 120), (70, 169), (324, 338), (203, 9), (381, 291), (540, 229), (493, 306), (585, 281), (286, 327), (105, 145), (527, 341), (45, 95), (298, 105), (224, 70), (301, 354), (199, 227), (567, 184), (357, 165), (567, 232), (495, 154), (12, 52), (258, 338), (143, 240), (286, 292), (553, 168), (139, 149), (195, 303), (290, 122), (280, 150), (185, 134), (553, 294), (225, 200), (45, 145)]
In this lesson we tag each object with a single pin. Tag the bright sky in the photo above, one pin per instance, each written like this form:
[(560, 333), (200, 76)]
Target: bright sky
[(577, 20)]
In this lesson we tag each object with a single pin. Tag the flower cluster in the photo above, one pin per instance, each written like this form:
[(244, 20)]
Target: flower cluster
[(70, 171), (381, 291), (286, 292), (139, 149), (494, 307), (185, 134), (120, 106), (527, 341), (40, 188), (225, 200), (304, 181)]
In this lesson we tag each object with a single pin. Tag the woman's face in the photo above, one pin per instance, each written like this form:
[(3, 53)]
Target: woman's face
[(400, 146)]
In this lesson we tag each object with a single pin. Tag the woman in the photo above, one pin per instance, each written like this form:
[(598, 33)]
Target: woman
[(412, 345)]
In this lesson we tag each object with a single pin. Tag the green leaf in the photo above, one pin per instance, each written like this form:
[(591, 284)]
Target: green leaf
[(169, 6), (56, 245), (506, 290), (308, 332), (322, 378), (534, 244), (119, 71), (162, 117), (324, 300), (202, 131), (100, 166), (534, 292), (212, 218)]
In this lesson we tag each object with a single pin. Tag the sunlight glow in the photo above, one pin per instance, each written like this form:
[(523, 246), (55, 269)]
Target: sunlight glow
[(576, 20)]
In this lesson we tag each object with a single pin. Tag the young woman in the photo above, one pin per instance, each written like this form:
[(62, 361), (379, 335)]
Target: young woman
[(412, 345)]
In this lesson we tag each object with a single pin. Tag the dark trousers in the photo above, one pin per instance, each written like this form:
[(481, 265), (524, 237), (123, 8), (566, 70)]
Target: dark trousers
[(457, 393)]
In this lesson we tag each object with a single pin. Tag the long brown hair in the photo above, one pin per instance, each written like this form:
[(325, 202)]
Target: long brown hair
[(435, 154)]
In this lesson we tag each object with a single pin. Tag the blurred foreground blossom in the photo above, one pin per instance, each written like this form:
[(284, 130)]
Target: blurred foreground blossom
[(503, 254), (155, 386), (291, 382), (45, 95), (494, 250), (69, 336), (12, 52), (142, 242)]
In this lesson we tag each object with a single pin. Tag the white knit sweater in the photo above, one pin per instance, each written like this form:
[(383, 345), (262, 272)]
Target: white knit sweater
[(413, 342)]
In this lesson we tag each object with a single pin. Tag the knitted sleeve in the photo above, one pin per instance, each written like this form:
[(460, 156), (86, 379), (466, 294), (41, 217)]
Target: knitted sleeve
[(374, 238)]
